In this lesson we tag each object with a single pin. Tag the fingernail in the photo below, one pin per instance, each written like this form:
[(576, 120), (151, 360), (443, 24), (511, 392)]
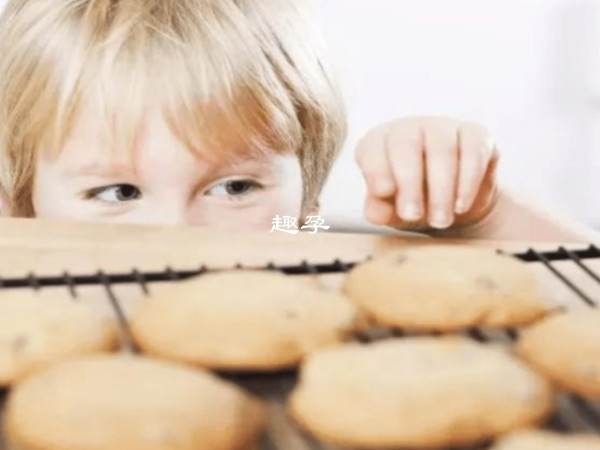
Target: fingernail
[(411, 212), (460, 207), (374, 213), (441, 219)]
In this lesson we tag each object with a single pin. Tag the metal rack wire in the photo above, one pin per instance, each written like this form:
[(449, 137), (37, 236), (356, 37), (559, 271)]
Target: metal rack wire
[(573, 409), (304, 268)]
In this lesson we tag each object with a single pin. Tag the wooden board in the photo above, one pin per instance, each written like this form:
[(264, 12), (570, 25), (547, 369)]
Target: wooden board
[(46, 248), (51, 247)]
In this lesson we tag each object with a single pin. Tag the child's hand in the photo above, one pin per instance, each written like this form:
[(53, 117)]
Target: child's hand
[(425, 172)]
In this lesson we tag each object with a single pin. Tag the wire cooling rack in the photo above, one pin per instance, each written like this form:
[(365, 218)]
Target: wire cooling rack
[(574, 413)]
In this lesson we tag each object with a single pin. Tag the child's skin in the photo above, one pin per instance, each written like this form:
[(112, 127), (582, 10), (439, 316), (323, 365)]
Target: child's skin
[(427, 171), (422, 173), (169, 185), (438, 175), (434, 175), (166, 184)]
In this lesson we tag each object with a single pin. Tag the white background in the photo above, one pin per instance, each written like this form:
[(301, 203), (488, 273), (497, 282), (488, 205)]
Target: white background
[(527, 69)]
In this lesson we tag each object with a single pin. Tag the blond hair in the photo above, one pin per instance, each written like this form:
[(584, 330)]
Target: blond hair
[(233, 56)]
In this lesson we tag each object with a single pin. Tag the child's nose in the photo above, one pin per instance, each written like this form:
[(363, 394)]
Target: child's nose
[(165, 214)]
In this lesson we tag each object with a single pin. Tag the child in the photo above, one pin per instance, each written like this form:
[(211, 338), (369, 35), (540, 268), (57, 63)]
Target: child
[(215, 112)]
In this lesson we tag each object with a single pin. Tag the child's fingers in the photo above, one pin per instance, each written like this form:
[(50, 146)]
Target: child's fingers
[(441, 152), (487, 191), (382, 212), (372, 159), (405, 152), (476, 149), (379, 211)]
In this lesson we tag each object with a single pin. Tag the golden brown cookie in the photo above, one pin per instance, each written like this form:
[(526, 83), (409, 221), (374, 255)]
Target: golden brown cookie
[(446, 288), (544, 440), (416, 392), (127, 402), (566, 348), (242, 320), (38, 329)]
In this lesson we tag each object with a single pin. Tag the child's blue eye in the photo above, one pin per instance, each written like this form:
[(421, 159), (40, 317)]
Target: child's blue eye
[(234, 188), (117, 193)]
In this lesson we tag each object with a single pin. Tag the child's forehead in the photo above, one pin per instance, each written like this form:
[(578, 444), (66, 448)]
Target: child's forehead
[(219, 140), (145, 167), (177, 167)]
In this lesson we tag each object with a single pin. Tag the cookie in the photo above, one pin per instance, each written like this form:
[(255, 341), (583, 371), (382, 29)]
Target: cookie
[(418, 392), (566, 348), (446, 288), (544, 440), (241, 320), (38, 329), (127, 402)]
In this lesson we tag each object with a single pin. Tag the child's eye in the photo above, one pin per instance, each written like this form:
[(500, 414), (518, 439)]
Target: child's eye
[(234, 188), (117, 193)]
